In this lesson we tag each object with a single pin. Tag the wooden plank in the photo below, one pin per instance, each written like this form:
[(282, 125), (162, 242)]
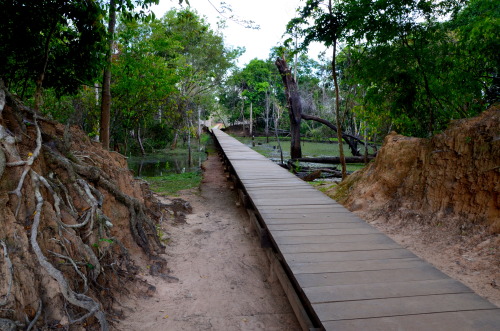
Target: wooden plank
[(349, 256), (339, 215), (284, 186), (297, 182), (336, 247), (353, 276), (302, 316), (263, 234), (267, 176), (319, 226), (274, 182), (480, 320), (330, 232), (320, 239), (350, 266), (292, 202), (285, 193), (304, 209), (384, 290), (289, 196), (307, 211), (254, 167), (426, 272), (263, 188), (427, 304), (311, 219)]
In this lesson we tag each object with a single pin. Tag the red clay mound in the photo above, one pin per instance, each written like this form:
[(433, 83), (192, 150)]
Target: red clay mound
[(452, 177)]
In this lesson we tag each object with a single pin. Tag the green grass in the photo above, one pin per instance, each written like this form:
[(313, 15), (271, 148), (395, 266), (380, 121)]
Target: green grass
[(309, 149), (173, 183), (323, 185)]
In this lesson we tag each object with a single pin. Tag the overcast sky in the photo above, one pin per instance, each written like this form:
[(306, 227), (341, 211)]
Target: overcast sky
[(271, 15)]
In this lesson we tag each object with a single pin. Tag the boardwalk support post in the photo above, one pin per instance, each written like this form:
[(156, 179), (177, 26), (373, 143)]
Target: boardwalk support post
[(293, 298)]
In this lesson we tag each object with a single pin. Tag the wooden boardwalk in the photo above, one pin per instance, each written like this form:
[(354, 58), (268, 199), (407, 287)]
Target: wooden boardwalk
[(346, 274)]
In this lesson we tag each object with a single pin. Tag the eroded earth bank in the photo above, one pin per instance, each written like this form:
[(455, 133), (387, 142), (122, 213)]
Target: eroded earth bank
[(439, 197)]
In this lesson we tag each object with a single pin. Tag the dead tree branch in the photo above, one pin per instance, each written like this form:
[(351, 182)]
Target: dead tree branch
[(333, 160)]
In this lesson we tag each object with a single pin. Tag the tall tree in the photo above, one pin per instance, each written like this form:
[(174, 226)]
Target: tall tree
[(144, 80), (64, 52), (164, 70), (202, 64), (294, 105), (419, 70), (127, 9), (106, 79)]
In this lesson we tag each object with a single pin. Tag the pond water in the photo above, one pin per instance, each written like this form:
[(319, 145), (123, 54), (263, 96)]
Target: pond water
[(160, 164), (309, 149)]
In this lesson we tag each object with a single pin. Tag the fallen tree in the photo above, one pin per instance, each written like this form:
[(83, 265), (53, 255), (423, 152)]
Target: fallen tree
[(334, 160), (296, 116)]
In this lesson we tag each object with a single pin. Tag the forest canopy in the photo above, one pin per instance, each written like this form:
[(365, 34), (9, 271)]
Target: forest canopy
[(404, 65)]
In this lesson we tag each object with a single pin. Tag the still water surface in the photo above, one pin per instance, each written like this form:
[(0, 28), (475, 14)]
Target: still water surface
[(160, 164)]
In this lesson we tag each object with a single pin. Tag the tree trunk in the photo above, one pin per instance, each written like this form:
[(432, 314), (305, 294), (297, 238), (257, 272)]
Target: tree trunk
[(294, 107), (251, 119), (176, 137), (337, 99), (243, 116), (334, 160), (190, 157), (106, 81), (43, 69), (366, 146), (199, 129), (143, 152), (337, 112), (267, 117), (276, 123)]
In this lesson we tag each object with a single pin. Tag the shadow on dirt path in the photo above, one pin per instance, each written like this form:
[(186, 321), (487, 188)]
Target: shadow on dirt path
[(221, 268)]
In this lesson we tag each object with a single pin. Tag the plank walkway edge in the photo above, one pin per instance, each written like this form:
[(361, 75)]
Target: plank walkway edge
[(338, 272)]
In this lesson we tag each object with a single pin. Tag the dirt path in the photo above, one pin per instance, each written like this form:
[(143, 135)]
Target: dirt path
[(222, 271)]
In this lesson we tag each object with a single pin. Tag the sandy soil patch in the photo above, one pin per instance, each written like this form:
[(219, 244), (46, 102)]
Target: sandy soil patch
[(222, 272)]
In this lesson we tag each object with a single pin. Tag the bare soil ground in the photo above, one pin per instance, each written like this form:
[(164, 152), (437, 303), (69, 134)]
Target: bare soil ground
[(222, 271)]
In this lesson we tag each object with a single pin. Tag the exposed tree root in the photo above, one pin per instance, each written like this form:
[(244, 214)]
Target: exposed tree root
[(37, 316), (79, 300), (27, 165), (9, 272), (142, 227), (59, 202), (8, 325)]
